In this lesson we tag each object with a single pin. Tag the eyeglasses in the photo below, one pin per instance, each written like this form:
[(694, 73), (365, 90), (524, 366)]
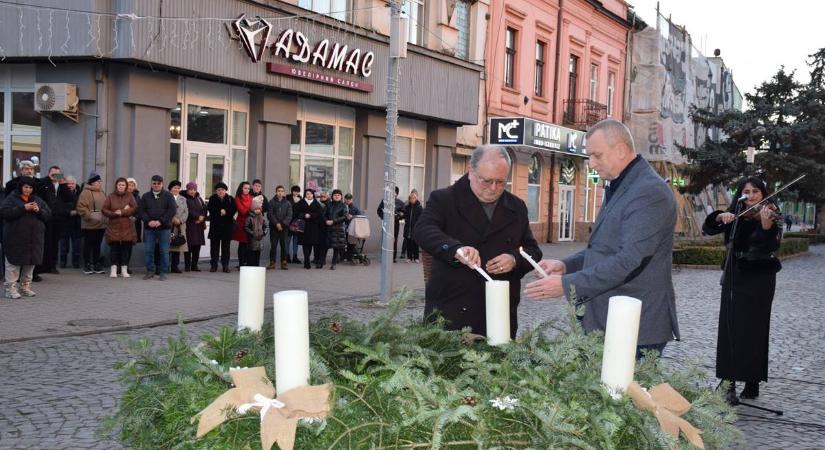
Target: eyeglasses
[(489, 182)]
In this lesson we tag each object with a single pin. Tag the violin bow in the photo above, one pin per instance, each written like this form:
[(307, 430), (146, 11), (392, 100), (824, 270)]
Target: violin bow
[(772, 195)]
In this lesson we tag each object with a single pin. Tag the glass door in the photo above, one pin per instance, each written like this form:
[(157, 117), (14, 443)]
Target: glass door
[(207, 165), (566, 195)]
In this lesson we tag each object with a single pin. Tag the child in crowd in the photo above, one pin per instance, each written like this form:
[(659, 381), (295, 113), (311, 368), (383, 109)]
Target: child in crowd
[(255, 227)]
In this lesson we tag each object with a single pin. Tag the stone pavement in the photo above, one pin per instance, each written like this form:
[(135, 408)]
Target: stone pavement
[(57, 389)]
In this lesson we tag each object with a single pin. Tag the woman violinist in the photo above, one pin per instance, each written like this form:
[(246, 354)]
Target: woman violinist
[(748, 287)]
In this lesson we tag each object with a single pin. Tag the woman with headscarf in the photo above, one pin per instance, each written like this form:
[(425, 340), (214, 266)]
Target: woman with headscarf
[(243, 203), (92, 223), (24, 226), (221, 208), (335, 217), (195, 227), (748, 286), (178, 225), (119, 208), (309, 210)]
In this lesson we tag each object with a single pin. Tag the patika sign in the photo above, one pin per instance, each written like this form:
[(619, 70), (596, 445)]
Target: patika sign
[(295, 47), (527, 131)]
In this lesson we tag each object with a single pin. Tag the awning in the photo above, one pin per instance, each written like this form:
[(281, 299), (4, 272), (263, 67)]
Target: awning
[(542, 136)]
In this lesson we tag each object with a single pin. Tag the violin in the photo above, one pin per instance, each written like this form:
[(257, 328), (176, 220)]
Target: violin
[(756, 213)]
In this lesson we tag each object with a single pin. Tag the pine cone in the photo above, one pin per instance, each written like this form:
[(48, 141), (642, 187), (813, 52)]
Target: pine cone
[(240, 354), (336, 327), (469, 400)]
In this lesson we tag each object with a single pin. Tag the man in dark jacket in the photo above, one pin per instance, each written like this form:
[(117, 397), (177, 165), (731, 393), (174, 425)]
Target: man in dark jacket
[(68, 222), (156, 210), (399, 214), (279, 214), (475, 222), (47, 191)]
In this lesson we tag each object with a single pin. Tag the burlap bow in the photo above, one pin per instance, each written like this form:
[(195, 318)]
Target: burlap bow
[(667, 406), (279, 417)]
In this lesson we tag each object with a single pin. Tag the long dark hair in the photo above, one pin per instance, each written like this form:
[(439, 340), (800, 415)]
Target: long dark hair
[(740, 186), (240, 188)]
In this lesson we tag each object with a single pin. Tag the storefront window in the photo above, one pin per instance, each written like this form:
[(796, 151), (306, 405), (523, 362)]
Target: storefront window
[(206, 124), (295, 155), (319, 173), (173, 169), (533, 188), (22, 135), (320, 139), (409, 166), (239, 128), (174, 126), (24, 118), (317, 160), (238, 165)]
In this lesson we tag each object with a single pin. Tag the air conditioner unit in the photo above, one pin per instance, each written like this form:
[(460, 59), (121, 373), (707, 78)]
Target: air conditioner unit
[(55, 97)]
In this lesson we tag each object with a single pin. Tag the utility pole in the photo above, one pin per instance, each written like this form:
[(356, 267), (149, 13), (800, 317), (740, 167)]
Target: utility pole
[(398, 50)]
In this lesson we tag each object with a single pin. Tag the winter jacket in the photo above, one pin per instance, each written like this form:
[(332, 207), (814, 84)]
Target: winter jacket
[(412, 212), (337, 213), (182, 214), (67, 224), (279, 212), (163, 209), (23, 231), (89, 208), (312, 233), (243, 203), (253, 220), (221, 226), (120, 227), (195, 230), (399, 211)]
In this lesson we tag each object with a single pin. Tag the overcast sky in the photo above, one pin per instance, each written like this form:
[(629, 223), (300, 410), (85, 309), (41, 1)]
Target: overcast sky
[(755, 36)]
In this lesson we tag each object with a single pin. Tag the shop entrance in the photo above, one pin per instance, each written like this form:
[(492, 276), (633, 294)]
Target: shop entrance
[(566, 196)]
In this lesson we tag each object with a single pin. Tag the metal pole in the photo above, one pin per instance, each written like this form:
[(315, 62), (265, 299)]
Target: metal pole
[(387, 224)]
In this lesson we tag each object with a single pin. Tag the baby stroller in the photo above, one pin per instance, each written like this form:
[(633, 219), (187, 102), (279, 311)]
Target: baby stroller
[(357, 234)]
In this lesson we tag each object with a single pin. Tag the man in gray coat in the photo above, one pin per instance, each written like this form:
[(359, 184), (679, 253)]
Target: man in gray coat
[(630, 247)]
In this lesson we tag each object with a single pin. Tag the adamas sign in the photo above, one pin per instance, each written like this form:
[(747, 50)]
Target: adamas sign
[(295, 47)]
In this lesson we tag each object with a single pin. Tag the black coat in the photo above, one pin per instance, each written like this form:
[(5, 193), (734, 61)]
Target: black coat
[(163, 209), (221, 227), (47, 192), (23, 231), (194, 230), (337, 232), (411, 215), (67, 224), (455, 218), (312, 232), (399, 211), (747, 295)]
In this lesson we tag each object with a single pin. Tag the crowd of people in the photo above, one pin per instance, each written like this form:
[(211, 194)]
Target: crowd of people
[(54, 223)]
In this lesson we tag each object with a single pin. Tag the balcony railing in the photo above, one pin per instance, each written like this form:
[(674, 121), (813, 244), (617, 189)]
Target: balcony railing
[(581, 113)]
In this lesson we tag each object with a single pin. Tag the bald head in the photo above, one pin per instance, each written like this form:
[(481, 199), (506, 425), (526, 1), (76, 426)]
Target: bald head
[(488, 153), (489, 171), (610, 147)]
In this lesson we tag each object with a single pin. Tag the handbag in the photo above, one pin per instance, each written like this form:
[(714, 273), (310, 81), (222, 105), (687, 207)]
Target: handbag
[(297, 225), (178, 239)]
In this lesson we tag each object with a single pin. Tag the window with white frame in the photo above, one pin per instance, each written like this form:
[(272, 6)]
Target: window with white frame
[(533, 188), (338, 9), (611, 92), (510, 57), (540, 57), (594, 81), (19, 128), (238, 146), (462, 22), (414, 9), (321, 147), (409, 166)]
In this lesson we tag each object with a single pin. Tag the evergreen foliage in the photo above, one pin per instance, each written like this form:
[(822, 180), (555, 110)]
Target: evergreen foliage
[(411, 385)]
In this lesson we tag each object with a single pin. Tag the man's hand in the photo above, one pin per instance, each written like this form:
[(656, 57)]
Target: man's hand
[(279, 227), (329, 222), (154, 223), (553, 266), (502, 263), (468, 256), (550, 287)]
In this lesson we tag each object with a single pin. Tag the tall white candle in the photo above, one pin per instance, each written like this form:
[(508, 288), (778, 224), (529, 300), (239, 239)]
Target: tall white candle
[(291, 310), (251, 297), (497, 304), (620, 338), (532, 262)]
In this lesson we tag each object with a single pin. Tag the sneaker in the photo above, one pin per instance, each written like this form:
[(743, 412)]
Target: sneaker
[(87, 269), (162, 277), (99, 269), (149, 275), (26, 291), (12, 294)]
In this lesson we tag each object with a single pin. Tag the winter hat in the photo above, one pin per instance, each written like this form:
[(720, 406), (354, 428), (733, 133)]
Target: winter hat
[(191, 185), (93, 177), (221, 185), (257, 202), (157, 178)]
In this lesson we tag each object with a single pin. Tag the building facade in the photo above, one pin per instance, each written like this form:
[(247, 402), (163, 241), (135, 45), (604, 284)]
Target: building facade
[(554, 68), (291, 92)]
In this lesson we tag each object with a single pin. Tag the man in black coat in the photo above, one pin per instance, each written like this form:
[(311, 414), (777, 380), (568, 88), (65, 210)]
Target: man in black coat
[(488, 224), (47, 191), (399, 214)]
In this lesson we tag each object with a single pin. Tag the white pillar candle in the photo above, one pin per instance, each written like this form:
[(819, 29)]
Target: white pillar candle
[(291, 310), (251, 288), (620, 338), (497, 303)]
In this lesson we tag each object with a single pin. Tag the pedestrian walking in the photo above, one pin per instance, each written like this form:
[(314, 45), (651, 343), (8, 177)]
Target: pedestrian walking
[(243, 202), (156, 210), (279, 214), (24, 224), (255, 229), (92, 223), (178, 226), (195, 227), (119, 208), (221, 208)]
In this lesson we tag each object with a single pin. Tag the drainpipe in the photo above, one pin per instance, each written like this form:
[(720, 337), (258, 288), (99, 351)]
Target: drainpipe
[(101, 121), (558, 56)]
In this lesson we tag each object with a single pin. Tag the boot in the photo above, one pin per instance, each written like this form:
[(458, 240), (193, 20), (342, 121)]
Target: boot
[(124, 270), (751, 390), (113, 272), (271, 266), (284, 265), (194, 263), (213, 268), (11, 291), (26, 289), (730, 396)]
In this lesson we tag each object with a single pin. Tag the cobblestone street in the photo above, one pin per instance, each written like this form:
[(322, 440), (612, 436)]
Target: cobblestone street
[(56, 390)]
